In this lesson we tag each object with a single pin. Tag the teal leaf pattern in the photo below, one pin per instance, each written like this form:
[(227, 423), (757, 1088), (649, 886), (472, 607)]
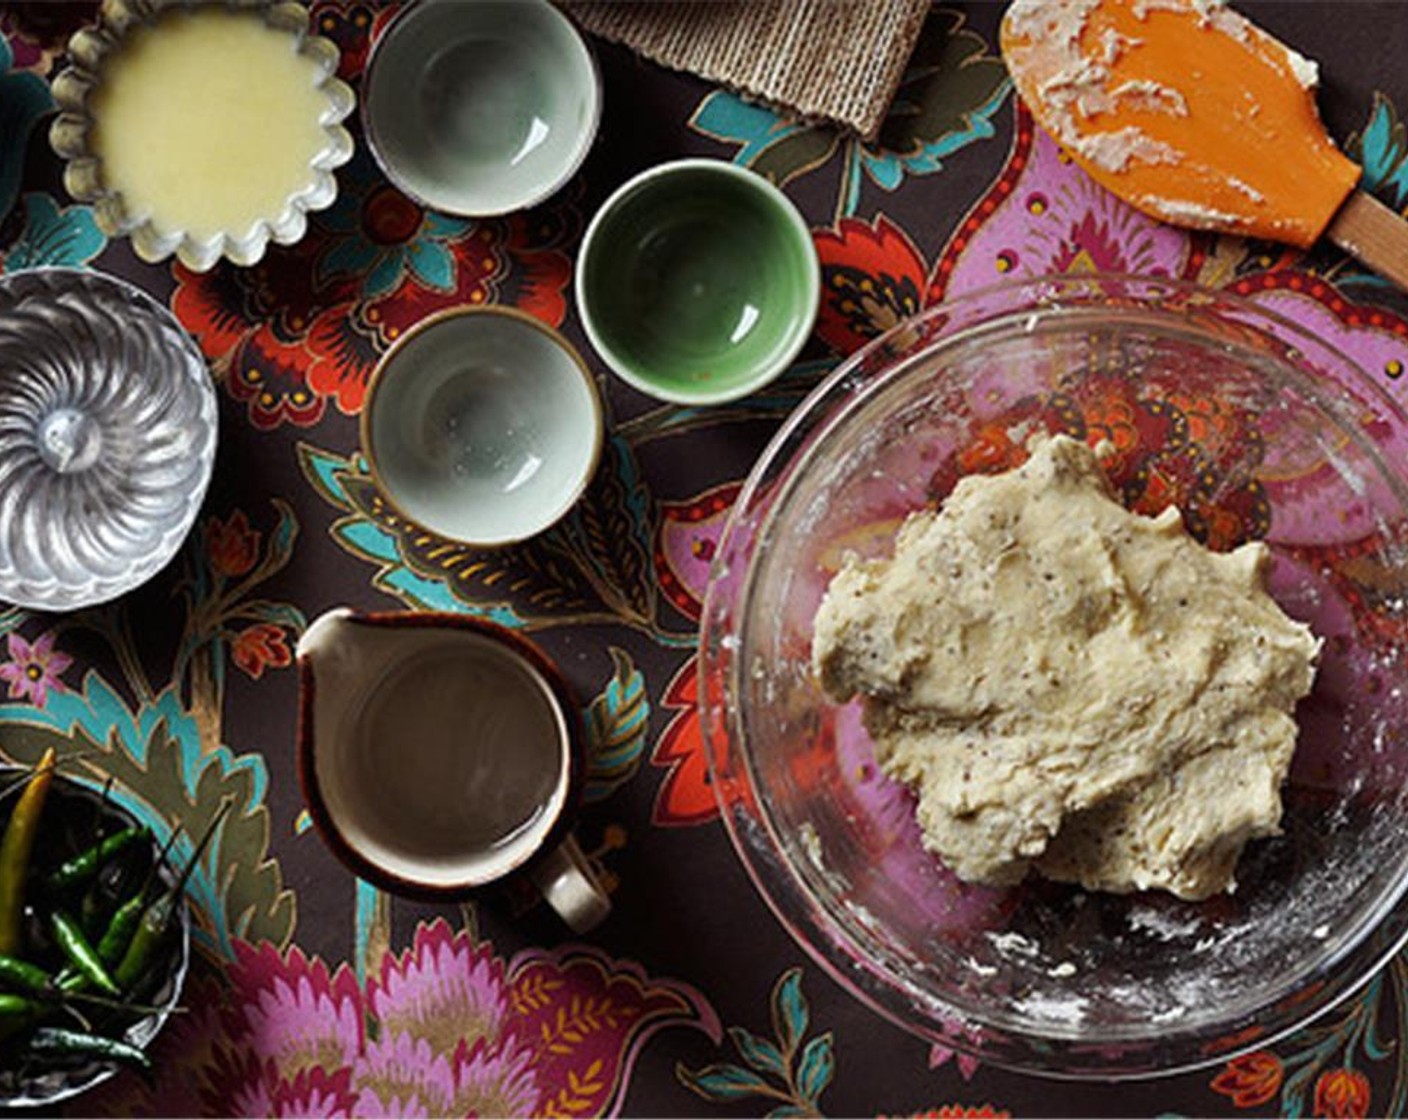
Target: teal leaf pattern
[(433, 265), (343, 258), (758, 1052), (723, 1083), (817, 1066), (163, 775), (1382, 150), (384, 277), (54, 236), (616, 725), (790, 1016), (281, 539), (593, 566), (340, 481), (753, 127), (773, 1069), (950, 93), (381, 264)]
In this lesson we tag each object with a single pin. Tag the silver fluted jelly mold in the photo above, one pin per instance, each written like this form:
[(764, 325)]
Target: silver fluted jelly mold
[(108, 421), (83, 173)]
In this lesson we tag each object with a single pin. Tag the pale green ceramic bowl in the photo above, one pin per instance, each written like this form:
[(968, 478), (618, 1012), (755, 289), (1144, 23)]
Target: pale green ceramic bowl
[(697, 282), (482, 425), (482, 107)]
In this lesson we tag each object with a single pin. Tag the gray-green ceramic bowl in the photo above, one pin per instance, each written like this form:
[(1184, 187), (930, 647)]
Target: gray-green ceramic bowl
[(480, 108), (483, 425), (697, 282)]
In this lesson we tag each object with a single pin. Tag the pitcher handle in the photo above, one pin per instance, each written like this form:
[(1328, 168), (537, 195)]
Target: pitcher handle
[(566, 879)]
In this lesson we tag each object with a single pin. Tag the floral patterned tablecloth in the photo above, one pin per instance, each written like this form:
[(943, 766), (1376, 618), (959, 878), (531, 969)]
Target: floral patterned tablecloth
[(318, 995)]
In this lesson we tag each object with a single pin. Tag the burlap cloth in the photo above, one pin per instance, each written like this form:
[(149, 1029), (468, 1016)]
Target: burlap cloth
[(837, 60)]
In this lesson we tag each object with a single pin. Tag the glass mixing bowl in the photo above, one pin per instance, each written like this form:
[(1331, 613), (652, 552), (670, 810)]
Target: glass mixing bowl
[(1255, 429)]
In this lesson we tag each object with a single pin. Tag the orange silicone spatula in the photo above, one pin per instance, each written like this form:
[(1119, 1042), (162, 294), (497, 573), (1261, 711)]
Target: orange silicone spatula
[(1194, 115)]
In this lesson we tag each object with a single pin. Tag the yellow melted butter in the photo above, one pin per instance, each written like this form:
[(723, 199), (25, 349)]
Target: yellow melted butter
[(207, 120)]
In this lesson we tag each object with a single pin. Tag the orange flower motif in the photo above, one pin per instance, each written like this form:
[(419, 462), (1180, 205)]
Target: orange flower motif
[(1113, 418), (1342, 1093), (1250, 1080), (992, 451), (232, 546), (1210, 422), (962, 1112), (259, 647), (1225, 528)]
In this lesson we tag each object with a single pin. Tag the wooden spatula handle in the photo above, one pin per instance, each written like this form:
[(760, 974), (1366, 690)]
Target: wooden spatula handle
[(1368, 230)]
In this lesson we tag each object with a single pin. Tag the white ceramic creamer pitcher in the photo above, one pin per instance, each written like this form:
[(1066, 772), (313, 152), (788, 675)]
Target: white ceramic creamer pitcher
[(439, 753)]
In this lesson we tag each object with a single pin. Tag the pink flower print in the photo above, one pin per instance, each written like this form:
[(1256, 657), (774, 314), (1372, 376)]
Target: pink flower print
[(685, 543), (314, 1093), (499, 1082), (247, 1086), (939, 1054), (1045, 215), (1088, 245), (442, 989), (370, 1105), (401, 1076), (34, 669), (295, 1012), (942, 1055), (283, 1035)]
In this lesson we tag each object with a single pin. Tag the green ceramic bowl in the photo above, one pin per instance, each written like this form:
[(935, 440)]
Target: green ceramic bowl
[(697, 282)]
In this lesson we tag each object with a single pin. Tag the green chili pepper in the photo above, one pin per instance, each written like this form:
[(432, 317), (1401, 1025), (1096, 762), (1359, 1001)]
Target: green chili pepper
[(86, 864), (15, 851), (16, 1014), (117, 934), (12, 1006), (155, 922), (113, 944), (80, 953), (57, 1041), (21, 976)]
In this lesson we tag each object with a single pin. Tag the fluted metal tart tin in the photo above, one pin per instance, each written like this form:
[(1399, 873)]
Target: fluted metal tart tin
[(71, 135)]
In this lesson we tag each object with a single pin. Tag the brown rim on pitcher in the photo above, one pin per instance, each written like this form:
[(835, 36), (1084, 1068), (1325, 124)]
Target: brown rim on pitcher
[(574, 745)]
